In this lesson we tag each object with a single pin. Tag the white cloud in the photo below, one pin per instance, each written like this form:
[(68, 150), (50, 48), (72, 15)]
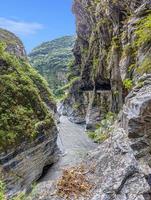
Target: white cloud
[(20, 27)]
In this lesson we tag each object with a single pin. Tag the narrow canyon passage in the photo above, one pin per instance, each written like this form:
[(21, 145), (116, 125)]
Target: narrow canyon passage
[(74, 144)]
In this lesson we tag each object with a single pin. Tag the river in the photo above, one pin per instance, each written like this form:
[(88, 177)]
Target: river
[(74, 144)]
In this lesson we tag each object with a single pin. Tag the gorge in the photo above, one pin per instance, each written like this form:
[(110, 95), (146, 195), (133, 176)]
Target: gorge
[(108, 94)]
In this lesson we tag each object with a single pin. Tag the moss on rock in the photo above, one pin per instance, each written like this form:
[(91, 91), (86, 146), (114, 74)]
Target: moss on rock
[(24, 112)]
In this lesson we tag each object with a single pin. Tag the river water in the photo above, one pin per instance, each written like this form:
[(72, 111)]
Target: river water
[(74, 144)]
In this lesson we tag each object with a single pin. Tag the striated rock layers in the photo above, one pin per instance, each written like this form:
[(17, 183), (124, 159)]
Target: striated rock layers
[(113, 61), (123, 162), (120, 167), (28, 132), (110, 51)]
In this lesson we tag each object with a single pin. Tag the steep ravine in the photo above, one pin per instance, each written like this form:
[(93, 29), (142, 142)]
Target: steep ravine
[(28, 132), (112, 73), (75, 145)]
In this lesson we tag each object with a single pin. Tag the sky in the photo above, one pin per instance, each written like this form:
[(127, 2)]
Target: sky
[(37, 21)]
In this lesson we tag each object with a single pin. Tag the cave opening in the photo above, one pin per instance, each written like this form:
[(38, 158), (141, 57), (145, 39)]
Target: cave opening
[(102, 85), (44, 172)]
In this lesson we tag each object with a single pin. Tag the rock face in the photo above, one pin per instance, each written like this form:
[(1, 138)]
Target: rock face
[(123, 161), (109, 53), (113, 60), (14, 44), (28, 132), (51, 60)]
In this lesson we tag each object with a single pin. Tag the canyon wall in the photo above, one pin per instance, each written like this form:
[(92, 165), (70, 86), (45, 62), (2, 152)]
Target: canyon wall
[(28, 131), (110, 52), (113, 70)]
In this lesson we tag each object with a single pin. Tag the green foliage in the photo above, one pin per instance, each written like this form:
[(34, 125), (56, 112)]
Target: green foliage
[(51, 59), (128, 84), (61, 91), (95, 65), (116, 43), (9, 38), (145, 67), (103, 129), (20, 196), (116, 93), (143, 31), (2, 47), (22, 102), (96, 1), (2, 191), (127, 50), (131, 67)]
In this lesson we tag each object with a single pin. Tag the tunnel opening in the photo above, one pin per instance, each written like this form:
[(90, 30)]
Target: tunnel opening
[(102, 85)]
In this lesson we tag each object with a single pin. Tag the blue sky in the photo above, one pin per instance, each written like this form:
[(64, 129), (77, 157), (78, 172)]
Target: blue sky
[(36, 21)]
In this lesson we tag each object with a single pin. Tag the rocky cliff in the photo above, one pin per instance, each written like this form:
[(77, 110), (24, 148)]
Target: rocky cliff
[(13, 43), (113, 61), (28, 132), (112, 50), (51, 59)]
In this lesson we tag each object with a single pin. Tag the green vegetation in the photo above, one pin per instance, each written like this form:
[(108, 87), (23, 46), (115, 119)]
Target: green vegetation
[(103, 129), (145, 67), (116, 43), (20, 196), (9, 38), (61, 91), (51, 60), (23, 109), (128, 50), (128, 84), (143, 31), (2, 191), (143, 37), (95, 65)]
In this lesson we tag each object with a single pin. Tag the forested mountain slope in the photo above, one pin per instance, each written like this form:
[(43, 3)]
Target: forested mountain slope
[(51, 60), (28, 132)]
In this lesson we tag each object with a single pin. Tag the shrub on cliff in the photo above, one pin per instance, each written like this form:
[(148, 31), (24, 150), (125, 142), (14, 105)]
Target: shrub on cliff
[(103, 129), (2, 191), (23, 110)]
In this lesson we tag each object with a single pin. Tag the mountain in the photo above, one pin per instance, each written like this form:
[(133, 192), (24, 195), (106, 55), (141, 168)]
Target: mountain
[(13, 44), (108, 91), (27, 124), (113, 66), (51, 60)]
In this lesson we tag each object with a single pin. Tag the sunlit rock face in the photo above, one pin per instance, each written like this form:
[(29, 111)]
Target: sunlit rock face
[(14, 44), (28, 131), (107, 52), (113, 59), (123, 161)]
